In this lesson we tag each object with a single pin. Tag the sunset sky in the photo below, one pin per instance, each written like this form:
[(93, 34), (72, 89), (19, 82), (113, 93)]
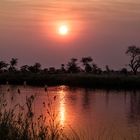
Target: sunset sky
[(53, 31)]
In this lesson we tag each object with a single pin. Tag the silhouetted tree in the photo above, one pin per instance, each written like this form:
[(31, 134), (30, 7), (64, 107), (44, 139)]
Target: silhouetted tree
[(72, 66), (24, 68), (94, 68), (13, 64), (3, 65), (134, 53), (52, 70), (45, 70), (31, 69), (99, 71), (35, 68), (86, 62), (63, 68)]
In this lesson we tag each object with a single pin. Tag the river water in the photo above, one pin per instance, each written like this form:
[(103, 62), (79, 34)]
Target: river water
[(87, 111)]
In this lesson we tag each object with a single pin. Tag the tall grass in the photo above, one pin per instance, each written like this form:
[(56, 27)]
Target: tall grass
[(21, 123)]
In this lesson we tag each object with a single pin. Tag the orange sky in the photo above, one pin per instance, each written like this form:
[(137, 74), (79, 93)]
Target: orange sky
[(99, 28)]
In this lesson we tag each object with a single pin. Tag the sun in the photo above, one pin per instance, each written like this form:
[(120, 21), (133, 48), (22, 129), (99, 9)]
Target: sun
[(63, 30)]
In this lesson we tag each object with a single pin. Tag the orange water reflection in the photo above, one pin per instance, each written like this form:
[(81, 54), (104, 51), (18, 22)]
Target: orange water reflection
[(90, 111), (62, 107)]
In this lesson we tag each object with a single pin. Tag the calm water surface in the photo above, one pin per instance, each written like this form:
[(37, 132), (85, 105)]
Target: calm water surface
[(92, 112)]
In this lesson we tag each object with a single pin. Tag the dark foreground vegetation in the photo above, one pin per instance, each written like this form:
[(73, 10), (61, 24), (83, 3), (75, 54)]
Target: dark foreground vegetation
[(21, 123), (78, 80), (88, 74)]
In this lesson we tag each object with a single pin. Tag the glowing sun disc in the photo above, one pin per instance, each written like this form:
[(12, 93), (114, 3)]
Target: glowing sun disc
[(63, 30)]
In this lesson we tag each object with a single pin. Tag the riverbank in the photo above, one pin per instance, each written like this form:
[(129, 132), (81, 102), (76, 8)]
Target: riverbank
[(78, 80)]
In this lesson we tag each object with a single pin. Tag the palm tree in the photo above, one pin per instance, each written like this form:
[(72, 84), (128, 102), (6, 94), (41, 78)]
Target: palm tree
[(86, 62), (13, 64)]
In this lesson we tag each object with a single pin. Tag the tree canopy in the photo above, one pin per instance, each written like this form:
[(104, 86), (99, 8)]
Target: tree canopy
[(134, 54)]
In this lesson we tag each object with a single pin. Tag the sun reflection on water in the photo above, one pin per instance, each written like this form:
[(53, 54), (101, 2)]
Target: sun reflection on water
[(62, 107)]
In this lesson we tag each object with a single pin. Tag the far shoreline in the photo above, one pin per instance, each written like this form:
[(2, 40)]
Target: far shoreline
[(82, 80)]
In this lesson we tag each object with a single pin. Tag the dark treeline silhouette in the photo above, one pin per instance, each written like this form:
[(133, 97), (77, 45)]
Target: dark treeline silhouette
[(83, 72), (88, 66), (85, 65), (73, 66)]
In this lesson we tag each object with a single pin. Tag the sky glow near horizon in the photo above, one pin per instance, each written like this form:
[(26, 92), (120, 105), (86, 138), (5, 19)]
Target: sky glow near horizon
[(101, 29)]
